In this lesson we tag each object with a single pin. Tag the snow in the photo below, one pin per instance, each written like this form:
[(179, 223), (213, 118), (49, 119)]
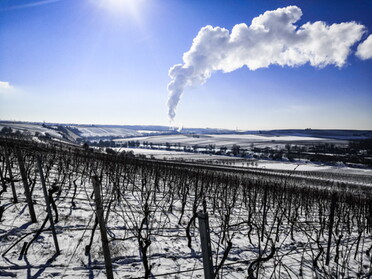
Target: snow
[(32, 128), (98, 131), (244, 141), (169, 253), (241, 162)]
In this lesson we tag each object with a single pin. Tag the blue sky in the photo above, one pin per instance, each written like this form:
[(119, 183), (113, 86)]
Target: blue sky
[(107, 62)]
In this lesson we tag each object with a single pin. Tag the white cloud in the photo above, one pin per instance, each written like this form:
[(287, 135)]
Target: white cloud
[(272, 38), (5, 87), (364, 50)]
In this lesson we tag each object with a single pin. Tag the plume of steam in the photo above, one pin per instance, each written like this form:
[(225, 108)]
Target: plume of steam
[(272, 38), (365, 49)]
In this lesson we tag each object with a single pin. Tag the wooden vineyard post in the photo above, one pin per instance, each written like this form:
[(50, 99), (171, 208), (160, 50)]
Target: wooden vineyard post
[(102, 226), (50, 216), (206, 244), (2, 179), (330, 226), (7, 162), (26, 187)]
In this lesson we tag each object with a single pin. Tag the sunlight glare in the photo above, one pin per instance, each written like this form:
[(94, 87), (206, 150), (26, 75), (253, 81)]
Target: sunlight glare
[(130, 7)]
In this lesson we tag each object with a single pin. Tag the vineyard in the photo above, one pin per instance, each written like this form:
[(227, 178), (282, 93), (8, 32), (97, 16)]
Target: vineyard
[(141, 217)]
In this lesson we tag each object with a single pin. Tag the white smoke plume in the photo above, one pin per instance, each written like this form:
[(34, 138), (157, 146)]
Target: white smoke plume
[(365, 49), (272, 38)]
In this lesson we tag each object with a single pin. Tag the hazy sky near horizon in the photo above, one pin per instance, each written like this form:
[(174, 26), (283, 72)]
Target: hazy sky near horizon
[(107, 62)]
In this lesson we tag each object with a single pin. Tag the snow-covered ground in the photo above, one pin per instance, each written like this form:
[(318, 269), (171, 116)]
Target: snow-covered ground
[(98, 131), (244, 141), (239, 162), (169, 198), (31, 128)]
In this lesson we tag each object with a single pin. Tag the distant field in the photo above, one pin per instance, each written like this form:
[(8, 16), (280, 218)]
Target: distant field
[(202, 139), (241, 162), (94, 131), (30, 128), (244, 141)]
